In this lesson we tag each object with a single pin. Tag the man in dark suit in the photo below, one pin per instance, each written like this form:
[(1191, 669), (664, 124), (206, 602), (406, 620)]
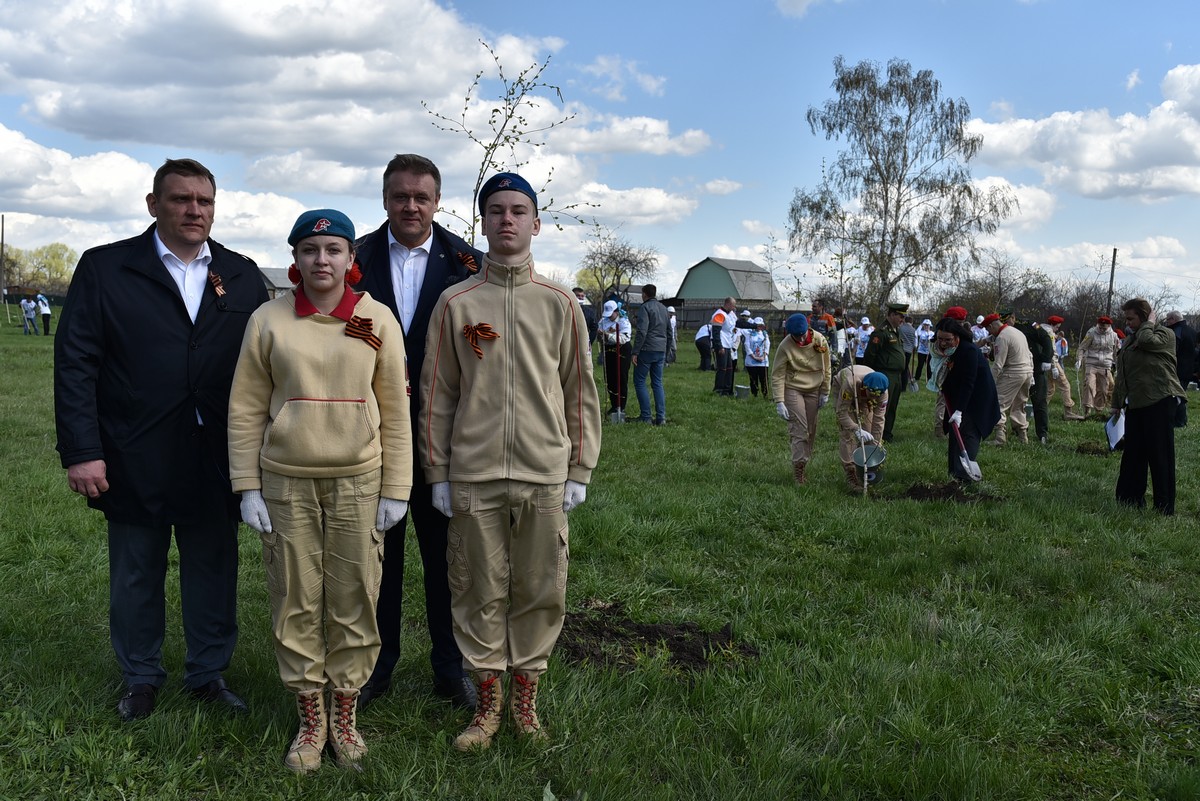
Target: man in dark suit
[(406, 263), (143, 362)]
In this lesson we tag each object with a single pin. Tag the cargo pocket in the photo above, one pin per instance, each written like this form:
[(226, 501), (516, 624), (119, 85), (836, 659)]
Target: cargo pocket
[(375, 562), (273, 562), (564, 556), (458, 572)]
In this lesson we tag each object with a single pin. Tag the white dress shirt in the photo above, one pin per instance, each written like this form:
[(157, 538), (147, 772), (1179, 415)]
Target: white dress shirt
[(408, 274), (190, 277)]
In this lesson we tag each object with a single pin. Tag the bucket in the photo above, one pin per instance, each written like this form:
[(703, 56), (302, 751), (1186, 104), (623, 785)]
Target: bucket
[(868, 462), (741, 391)]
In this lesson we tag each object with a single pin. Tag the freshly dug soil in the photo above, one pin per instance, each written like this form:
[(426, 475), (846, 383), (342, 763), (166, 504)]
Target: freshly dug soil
[(601, 634)]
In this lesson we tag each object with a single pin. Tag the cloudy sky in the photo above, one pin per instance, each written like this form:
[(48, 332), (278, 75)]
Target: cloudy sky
[(687, 128)]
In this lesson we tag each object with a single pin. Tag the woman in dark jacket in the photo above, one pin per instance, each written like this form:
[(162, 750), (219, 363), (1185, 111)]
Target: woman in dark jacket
[(970, 393)]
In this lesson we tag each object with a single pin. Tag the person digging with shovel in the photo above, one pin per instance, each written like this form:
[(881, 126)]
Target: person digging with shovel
[(972, 405)]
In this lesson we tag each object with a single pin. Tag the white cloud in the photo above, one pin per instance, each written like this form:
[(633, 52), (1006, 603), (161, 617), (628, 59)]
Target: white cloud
[(722, 186), (615, 72), (1132, 80), (638, 206), (613, 134)]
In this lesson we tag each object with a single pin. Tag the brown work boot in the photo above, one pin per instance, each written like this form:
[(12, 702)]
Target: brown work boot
[(348, 745), (798, 472), (1022, 436), (523, 704), (488, 709), (305, 752), (1070, 414), (852, 478)]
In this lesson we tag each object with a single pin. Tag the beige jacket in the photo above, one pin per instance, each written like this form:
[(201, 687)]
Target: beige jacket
[(310, 401), (801, 367), (507, 389)]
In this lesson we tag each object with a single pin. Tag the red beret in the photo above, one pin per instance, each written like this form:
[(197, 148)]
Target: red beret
[(1104, 320), (1054, 319), (1120, 334), (956, 313), (991, 318)]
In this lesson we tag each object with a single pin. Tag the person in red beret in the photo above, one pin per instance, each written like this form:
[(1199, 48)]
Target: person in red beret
[(1097, 357), (1012, 370), (1058, 370)]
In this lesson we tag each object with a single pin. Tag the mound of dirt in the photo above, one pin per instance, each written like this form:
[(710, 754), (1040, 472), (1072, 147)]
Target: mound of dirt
[(1093, 448), (602, 634), (948, 491)]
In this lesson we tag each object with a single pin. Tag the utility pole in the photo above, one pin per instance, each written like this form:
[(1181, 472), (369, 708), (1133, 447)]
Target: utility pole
[(4, 273), (1112, 274)]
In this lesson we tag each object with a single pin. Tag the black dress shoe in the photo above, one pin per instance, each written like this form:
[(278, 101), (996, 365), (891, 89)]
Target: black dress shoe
[(460, 691), (217, 691), (373, 689), (138, 702)]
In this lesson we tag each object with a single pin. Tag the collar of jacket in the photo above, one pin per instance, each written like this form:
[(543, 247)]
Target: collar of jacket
[(507, 274)]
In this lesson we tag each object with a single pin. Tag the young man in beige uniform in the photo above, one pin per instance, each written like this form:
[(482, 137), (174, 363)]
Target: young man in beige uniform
[(509, 435)]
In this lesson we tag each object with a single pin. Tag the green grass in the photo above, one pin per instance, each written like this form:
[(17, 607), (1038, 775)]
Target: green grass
[(1040, 643)]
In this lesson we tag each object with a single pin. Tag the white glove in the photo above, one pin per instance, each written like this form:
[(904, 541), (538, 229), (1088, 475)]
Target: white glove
[(822, 400), (781, 410), (1054, 373), (391, 512), (864, 436), (574, 494), (441, 498), (254, 511), (956, 418), (1046, 367)]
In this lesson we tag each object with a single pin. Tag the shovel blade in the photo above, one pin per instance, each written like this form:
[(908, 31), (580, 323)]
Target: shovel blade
[(971, 468)]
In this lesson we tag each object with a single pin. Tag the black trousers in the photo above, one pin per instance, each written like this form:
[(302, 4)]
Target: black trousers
[(137, 572), (1041, 405), (431, 526), (758, 381), (1149, 445), (723, 385), (704, 345), (616, 375), (971, 439), (923, 366)]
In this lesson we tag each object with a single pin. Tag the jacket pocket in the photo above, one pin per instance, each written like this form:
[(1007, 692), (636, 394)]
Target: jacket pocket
[(321, 432)]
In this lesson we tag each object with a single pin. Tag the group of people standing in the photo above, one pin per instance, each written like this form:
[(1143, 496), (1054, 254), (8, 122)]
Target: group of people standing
[(33, 306), (983, 384), (298, 416)]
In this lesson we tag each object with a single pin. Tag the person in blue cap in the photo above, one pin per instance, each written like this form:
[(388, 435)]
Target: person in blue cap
[(800, 387), (320, 448), (861, 400), (509, 435)]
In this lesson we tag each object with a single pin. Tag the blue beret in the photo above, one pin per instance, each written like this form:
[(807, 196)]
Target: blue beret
[(321, 222), (797, 325), (876, 381), (506, 181)]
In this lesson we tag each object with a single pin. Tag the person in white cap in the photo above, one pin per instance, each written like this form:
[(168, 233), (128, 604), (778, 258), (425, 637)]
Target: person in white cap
[(758, 354), (925, 335), (615, 332), (979, 331), (863, 336)]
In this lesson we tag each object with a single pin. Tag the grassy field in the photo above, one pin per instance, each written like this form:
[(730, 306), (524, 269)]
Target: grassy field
[(1036, 643)]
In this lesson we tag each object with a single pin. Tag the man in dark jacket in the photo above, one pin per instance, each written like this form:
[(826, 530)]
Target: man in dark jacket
[(885, 354), (141, 401), (406, 263), (1042, 348), (1185, 359), (649, 355)]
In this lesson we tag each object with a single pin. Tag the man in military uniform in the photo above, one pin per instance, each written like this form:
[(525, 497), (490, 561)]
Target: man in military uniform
[(885, 354), (1058, 372), (1012, 368), (1097, 355), (1041, 347)]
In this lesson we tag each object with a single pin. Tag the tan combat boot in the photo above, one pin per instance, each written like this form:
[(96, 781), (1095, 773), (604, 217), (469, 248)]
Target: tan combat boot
[(305, 752), (852, 478), (489, 707), (523, 704), (798, 472), (348, 745)]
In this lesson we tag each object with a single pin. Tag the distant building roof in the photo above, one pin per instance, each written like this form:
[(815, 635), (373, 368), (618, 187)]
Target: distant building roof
[(721, 278), (275, 279)]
